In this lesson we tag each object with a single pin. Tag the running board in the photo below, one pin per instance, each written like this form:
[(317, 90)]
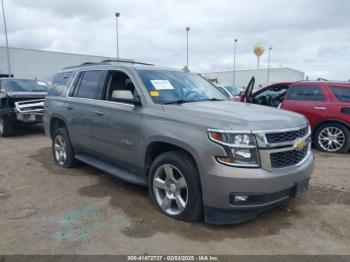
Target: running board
[(113, 170)]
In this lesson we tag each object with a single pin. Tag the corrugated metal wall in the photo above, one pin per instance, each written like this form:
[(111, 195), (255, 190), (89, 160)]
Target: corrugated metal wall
[(242, 77), (26, 63)]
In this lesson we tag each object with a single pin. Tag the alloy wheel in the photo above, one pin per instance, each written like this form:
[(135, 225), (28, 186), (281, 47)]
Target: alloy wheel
[(1, 125), (331, 139), (60, 150), (170, 189)]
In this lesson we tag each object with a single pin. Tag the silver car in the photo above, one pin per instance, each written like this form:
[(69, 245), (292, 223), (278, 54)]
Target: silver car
[(200, 155)]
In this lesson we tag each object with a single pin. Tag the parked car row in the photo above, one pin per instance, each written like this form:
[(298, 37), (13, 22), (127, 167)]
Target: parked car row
[(21, 101)]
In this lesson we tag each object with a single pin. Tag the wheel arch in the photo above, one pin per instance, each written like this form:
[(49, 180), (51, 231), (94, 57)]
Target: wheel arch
[(157, 147), (329, 121), (56, 122)]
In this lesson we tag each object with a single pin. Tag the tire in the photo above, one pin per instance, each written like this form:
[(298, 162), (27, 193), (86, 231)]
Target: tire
[(337, 133), (62, 149), (6, 127), (185, 195)]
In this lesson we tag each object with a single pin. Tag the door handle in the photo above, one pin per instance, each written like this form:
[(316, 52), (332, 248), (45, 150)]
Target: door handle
[(69, 107), (99, 113), (320, 108)]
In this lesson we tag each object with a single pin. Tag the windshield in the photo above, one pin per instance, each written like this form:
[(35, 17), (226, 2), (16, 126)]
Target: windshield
[(167, 87), (23, 85), (234, 90)]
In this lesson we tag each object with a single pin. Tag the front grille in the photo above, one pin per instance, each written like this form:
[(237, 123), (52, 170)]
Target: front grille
[(286, 136), (288, 158), (30, 106)]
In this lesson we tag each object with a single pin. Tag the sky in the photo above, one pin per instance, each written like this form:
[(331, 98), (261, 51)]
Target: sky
[(308, 35)]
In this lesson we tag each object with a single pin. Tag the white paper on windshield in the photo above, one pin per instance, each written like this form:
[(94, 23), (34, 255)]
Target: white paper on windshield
[(162, 84), (41, 83)]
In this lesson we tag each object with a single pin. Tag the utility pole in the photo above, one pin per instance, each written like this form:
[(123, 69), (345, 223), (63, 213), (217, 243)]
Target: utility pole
[(7, 43), (117, 30), (234, 61), (268, 67), (187, 31)]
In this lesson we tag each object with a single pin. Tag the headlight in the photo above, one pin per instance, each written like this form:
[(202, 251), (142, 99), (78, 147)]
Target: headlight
[(241, 148)]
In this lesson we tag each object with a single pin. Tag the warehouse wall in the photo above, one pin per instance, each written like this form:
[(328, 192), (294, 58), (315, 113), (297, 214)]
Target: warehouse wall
[(27, 63), (242, 77)]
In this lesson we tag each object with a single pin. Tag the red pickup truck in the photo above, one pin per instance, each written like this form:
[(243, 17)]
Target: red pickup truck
[(325, 104)]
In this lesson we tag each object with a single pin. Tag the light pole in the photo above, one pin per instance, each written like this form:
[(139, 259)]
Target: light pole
[(268, 67), (7, 43), (187, 31), (234, 61), (117, 16)]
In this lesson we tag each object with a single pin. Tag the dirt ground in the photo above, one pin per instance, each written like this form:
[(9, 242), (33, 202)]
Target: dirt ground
[(45, 209)]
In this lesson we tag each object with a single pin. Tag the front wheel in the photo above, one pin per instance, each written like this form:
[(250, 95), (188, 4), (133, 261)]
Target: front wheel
[(6, 127), (174, 186), (333, 138)]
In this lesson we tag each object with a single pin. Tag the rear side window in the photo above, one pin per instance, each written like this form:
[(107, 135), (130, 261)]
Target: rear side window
[(341, 93), (88, 85), (305, 93), (59, 84)]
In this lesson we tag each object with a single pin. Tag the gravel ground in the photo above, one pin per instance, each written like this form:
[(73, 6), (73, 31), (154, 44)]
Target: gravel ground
[(45, 209)]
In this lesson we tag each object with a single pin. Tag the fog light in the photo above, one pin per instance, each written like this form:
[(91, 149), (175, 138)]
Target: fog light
[(240, 198)]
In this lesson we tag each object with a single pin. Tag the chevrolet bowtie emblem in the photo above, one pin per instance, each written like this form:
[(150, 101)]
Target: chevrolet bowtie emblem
[(299, 145)]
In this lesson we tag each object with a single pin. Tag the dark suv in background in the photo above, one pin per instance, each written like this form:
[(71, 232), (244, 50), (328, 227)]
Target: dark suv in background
[(21, 101), (326, 104)]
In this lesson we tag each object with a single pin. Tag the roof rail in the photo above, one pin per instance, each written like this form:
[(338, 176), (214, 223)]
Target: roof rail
[(83, 64), (108, 61), (131, 61)]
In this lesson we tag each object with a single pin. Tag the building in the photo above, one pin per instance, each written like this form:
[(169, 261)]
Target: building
[(36, 64), (242, 77)]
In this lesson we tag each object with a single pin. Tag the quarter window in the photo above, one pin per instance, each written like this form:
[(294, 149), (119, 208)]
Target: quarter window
[(305, 93), (89, 85), (342, 93), (59, 84)]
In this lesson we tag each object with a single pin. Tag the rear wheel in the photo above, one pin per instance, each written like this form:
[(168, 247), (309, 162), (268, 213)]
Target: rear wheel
[(6, 127), (62, 149), (333, 138), (174, 186)]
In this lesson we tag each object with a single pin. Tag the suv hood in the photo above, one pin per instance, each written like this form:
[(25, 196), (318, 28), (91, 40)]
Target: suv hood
[(235, 115), (29, 95)]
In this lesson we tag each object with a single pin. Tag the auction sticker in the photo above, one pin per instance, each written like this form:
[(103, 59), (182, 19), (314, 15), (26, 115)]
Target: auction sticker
[(162, 84)]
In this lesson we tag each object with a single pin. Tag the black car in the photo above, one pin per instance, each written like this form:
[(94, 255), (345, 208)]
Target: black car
[(21, 100)]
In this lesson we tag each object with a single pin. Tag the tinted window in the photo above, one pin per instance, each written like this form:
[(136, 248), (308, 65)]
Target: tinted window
[(59, 84), (90, 85), (305, 93), (341, 93)]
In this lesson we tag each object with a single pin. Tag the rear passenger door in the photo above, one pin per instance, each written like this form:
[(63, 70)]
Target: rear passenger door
[(309, 100), (80, 107)]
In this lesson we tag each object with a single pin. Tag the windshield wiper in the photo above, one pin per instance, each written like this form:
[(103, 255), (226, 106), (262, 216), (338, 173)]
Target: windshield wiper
[(182, 101), (212, 99), (179, 101)]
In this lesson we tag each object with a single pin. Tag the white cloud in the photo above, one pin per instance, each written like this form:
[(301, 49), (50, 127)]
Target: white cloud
[(310, 35)]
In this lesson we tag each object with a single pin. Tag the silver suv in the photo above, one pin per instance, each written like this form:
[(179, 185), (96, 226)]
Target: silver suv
[(199, 154)]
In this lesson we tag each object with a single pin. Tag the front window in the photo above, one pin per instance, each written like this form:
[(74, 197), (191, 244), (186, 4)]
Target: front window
[(305, 93), (11, 85), (168, 87)]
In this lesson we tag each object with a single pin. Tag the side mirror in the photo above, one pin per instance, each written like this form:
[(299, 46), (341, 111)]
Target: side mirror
[(241, 93), (125, 96)]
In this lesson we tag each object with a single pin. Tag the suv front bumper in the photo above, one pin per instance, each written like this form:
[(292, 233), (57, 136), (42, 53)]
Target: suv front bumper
[(261, 190)]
